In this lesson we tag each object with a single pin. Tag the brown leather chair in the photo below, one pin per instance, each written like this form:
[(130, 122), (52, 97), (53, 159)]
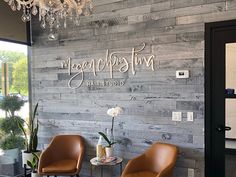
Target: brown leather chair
[(63, 157), (158, 161)]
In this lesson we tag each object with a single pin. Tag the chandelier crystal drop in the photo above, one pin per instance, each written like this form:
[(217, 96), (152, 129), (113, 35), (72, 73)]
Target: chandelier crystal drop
[(52, 13)]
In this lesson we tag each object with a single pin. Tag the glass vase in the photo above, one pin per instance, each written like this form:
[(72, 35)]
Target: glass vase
[(110, 134)]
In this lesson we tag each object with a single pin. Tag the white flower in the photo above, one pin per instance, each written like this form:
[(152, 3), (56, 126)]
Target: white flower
[(114, 112), (110, 112), (118, 110)]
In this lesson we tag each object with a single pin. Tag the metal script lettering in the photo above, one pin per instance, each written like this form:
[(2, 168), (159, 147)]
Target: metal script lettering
[(112, 60)]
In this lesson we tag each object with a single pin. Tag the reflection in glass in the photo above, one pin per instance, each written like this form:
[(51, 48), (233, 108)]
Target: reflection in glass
[(230, 115), (230, 63)]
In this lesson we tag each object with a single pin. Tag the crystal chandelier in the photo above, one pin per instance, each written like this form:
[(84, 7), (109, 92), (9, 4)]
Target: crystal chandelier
[(52, 13)]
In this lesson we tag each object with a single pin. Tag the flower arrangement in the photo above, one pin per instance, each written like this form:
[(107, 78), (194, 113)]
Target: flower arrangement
[(109, 142), (114, 112)]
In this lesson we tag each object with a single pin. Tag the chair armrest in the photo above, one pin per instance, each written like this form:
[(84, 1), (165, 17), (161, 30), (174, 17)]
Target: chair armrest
[(167, 172), (45, 158), (135, 165), (81, 156)]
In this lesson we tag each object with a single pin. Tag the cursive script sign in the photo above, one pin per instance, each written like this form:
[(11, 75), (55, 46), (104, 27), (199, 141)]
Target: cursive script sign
[(120, 61)]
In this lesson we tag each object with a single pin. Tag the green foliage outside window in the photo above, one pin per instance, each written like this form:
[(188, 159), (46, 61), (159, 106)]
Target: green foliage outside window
[(10, 125), (20, 77), (10, 56), (17, 71), (12, 142), (12, 134), (11, 104)]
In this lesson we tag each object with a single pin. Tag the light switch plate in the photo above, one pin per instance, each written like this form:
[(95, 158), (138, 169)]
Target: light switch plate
[(190, 116), (190, 172), (176, 116)]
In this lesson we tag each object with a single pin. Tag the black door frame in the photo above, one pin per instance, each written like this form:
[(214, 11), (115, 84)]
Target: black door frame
[(210, 30)]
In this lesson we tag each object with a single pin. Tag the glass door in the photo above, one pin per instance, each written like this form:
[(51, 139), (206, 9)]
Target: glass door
[(230, 109), (220, 99)]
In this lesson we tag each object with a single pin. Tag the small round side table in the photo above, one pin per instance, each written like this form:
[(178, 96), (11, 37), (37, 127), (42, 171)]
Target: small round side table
[(94, 162)]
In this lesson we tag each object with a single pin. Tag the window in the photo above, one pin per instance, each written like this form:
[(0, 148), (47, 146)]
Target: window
[(14, 105)]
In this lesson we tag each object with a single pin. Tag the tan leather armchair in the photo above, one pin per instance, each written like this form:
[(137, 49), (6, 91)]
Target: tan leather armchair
[(158, 161), (63, 156)]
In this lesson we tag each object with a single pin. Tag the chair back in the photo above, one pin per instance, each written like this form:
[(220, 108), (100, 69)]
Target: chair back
[(67, 147), (161, 155)]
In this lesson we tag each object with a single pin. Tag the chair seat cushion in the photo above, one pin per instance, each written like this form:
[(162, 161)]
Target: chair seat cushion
[(62, 166), (141, 174)]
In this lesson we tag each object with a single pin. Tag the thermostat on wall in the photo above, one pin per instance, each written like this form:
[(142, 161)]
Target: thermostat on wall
[(182, 74)]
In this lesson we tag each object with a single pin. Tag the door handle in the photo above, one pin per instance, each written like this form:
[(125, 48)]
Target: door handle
[(227, 128), (223, 128)]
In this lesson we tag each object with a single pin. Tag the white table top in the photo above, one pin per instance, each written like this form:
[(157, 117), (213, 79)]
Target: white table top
[(94, 161)]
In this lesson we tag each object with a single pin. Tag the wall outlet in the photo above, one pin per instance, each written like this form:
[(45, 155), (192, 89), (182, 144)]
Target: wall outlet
[(190, 116), (176, 116), (190, 172)]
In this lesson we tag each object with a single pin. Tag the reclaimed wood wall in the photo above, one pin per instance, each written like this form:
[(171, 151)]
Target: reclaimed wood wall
[(174, 31)]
